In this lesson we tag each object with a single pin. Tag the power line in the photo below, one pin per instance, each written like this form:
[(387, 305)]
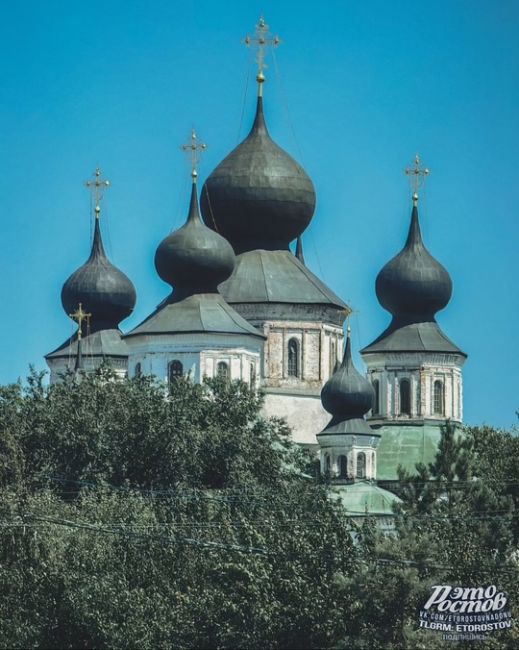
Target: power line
[(165, 540)]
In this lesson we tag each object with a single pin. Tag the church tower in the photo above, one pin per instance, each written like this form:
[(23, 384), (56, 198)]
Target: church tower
[(98, 296), (415, 370), (194, 331), (348, 445), (260, 199)]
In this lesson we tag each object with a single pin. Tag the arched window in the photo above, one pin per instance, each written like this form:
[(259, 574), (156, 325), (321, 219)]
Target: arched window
[(439, 408), (333, 356), (376, 398), (252, 375), (405, 397), (293, 358), (343, 466), (138, 370), (327, 463), (361, 465), (222, 370), (175, 370)]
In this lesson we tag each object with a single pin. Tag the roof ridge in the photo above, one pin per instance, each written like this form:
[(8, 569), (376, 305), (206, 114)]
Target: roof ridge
[(232, 313), (200, 314), (264, 275), (420, 337), (312, 278)]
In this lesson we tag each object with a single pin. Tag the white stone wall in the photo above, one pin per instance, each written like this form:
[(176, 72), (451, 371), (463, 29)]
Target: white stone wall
[(304, 413), (198, 353), (332, 454), (422, 370)]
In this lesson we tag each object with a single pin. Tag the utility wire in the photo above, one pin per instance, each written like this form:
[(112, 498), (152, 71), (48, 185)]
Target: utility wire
[(165, 540)]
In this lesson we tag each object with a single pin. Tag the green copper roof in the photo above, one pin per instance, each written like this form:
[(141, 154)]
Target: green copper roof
[(206, 312), (364, 497), (275, 276), (103, 343)]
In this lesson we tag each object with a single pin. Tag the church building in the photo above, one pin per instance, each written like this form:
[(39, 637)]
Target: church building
[(244, 307)]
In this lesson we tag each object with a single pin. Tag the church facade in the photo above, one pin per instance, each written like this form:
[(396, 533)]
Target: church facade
[(243, 306)]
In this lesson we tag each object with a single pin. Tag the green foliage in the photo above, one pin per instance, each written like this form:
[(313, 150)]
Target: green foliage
[(100, 430), (455, 526), (135, 518), (140, 519)]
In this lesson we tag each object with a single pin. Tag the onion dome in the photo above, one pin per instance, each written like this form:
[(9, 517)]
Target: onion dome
[(102, 289), (258, 196), (413, 286), (347, 394), (194, 258)]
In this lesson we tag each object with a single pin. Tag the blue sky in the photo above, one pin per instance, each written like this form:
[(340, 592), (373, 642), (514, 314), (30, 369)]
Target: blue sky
[(357, 88)]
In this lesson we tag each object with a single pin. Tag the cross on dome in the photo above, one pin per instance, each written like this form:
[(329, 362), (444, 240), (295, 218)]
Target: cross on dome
[(97, 186), (79, 316), (261, 40), (417, 175), (194, 149)]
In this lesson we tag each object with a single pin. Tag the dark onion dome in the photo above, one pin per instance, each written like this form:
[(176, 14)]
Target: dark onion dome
[(104, 291), (258, 196), (347, 394), (194, 258), (413, 285)]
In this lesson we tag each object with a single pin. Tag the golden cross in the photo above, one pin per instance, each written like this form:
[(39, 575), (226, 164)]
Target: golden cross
[(79, 316), (194, 149), (97, 187), (417, 176), (261, 40)]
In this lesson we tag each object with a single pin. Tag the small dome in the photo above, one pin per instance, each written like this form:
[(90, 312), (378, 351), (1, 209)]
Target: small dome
[(258, 196), (347, 394), (413, 284), (194, 259), (103, 290)]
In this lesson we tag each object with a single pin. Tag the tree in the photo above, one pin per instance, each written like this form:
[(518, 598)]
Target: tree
[(138, 518), (455, 527), (131, 517)]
